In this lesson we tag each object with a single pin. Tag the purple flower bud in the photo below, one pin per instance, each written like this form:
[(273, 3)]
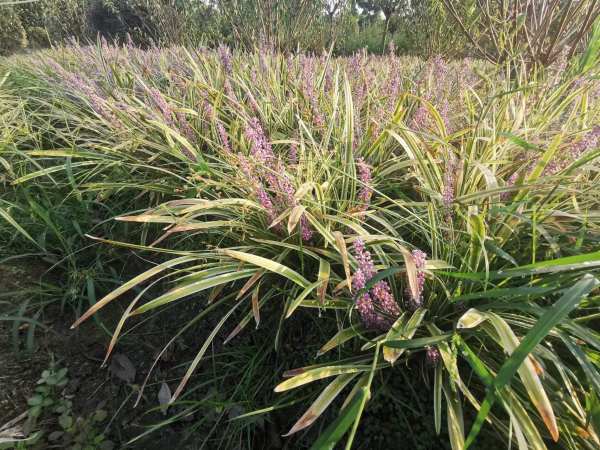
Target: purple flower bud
[(433, 356), (223, 137), (449, 183), (226, 59), (162, 105), (265, 201), (293, 155), (366, 191)]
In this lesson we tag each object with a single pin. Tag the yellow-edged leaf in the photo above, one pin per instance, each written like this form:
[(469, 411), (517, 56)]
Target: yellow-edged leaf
[(322, 402), (341, 246)]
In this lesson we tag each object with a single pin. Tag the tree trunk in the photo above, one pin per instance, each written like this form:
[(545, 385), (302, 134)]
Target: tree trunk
[(385, 33)]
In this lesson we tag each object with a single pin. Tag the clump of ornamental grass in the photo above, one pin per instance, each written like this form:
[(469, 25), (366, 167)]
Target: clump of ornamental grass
[(348, 188)]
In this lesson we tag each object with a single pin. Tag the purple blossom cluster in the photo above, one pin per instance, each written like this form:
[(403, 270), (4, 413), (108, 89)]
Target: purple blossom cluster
[(449, 183), (226, 58), (185, 127), (577, 150), (273, 173), (420, 118), (366, 191), (265, 201), (293, 155), (260, 146), (309, 89), (89, 89), (590, 141), (224, 138), (253, 103), (432, 356), (438, 92), (415, 300), (207, 106), (181, 123), (162, 105), (229, 92), (377, 307)]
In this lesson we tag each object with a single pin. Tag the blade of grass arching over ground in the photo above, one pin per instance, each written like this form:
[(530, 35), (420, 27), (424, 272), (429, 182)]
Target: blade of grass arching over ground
[(546, 322)]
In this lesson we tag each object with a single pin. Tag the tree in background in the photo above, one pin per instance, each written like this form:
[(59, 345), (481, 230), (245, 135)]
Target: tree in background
[(280, 24), (430, 30), (498, 30), (51, 21), (537, 30), (388, 8), (12, 32), (334, 10)]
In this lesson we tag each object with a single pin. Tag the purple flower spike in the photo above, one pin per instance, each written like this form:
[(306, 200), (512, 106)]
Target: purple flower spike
[(433, 356), (293, 156), (223, 137), (366, 191), (382, 293), (379, 297), (265, 201), (185, 127), (261, 148), (420, 118), (162, 105), (449, 182), (305, 230), (365, 263), (226, 59), (207, 106), (576, 151), (273, 173), (366, 310)]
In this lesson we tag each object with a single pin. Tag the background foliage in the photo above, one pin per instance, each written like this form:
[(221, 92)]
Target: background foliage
[(422, 28)]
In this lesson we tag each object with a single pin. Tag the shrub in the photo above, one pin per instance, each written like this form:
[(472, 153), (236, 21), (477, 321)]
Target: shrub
[(538, 31), (146, 22), (63, 20), (12, 33)]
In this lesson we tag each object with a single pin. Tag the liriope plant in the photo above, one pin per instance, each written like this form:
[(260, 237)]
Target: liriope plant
[(459, 236)]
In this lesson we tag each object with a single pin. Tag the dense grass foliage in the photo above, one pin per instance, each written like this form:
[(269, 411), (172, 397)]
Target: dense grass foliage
[(417, 214)]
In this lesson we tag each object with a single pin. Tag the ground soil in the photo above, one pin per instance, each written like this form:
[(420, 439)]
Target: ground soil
[(90, 386)]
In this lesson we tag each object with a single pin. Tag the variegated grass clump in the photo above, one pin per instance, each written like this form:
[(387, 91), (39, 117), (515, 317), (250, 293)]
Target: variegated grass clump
[(436, 212)]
